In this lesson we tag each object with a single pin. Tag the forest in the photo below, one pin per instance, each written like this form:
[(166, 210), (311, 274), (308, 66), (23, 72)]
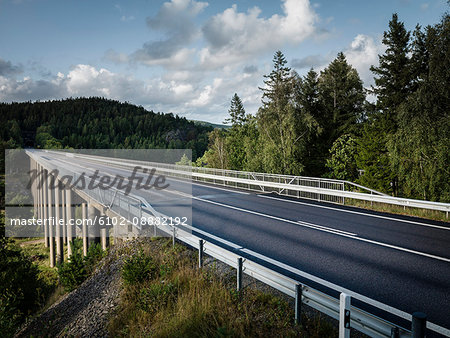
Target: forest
[(323, 125), (97, 123)]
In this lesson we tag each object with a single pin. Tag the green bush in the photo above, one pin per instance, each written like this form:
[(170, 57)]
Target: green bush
[(138, 268), (20, 287), (78, 268), (73, 272), (94, 255)]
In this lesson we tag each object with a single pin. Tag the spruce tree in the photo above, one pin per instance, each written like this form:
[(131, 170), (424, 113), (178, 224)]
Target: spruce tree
[(235, 137), (276, 120), (342, 100), (393, 75), (236, 111)]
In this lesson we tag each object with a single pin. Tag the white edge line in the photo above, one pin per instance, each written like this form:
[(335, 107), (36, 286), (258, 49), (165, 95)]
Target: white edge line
[(358, 213)]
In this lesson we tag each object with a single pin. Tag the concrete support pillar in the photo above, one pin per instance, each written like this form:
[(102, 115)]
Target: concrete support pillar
[(63, 215), (40, 216), (104, 238), (33, 188), (51, 238), (93, 228), (36, 190), (84, 228), (69, 218), (58, 225), (45, 206)]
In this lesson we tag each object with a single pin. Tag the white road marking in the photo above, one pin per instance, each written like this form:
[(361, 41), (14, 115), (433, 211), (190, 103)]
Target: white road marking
[(316, 227), (321, 227), (358, 213)]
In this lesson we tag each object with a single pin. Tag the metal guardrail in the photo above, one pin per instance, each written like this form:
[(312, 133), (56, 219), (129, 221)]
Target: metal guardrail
[(296, 186), (338, 309)]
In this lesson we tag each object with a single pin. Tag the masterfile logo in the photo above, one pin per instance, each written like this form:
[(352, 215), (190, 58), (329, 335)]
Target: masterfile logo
[(130, 190)]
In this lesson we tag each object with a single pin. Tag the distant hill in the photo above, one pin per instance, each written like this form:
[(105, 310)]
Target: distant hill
[(209, 124), (95, 123)]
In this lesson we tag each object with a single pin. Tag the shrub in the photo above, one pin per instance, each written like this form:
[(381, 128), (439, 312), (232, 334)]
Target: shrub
[(94, 255), (20, 287), (78, 268), (73, 272), (138, 268)]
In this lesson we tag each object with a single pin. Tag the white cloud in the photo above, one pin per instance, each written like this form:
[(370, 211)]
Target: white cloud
[(199, 68), (175, 20), (234, 36), (363, 53)]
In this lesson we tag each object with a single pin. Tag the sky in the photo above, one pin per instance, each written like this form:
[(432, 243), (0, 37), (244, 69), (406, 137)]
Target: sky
[(183, 56)]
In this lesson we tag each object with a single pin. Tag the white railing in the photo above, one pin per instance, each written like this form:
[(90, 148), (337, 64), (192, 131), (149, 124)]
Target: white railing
[(320, 189)]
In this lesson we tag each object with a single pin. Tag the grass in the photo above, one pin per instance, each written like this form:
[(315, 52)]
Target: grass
[(399, 210), (179, 300)]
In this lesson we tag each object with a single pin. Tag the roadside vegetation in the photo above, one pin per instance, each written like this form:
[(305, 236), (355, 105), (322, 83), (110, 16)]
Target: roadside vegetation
[(28, 285), (399, 210), (166, 295)]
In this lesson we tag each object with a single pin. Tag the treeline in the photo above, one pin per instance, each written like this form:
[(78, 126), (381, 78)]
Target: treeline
[(323, 124), (97, 123)]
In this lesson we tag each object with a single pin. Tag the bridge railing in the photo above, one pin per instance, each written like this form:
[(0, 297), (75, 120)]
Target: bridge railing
[(327, 190)]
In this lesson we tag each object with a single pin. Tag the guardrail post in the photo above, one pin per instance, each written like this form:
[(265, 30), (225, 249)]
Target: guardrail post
[(239, 274), (418, 325), (395, 332), (298, 304), (200, 253), (344, 315), (173, 236)]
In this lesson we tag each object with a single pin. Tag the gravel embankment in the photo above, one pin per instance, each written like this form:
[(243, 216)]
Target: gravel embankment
[(85, 311)]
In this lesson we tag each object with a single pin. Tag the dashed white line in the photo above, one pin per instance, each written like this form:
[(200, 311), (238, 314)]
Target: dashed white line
[(358, 213)]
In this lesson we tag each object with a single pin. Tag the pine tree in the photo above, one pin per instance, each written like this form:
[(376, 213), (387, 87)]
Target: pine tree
[(236, 111), (342, 101), (308, 100), (393, 75), (276, 120), (343, 97), (235, 138)]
